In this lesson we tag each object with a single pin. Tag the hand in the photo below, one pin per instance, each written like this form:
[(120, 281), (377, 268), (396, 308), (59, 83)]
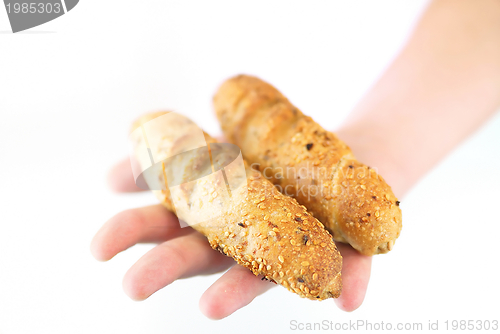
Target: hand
[(183, 253)]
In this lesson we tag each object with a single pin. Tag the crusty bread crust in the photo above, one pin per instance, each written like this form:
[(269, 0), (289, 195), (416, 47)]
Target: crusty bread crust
[(309, 163), (263, 230)]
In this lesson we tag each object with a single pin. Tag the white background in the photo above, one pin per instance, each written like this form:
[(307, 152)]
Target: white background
[(69, 90)]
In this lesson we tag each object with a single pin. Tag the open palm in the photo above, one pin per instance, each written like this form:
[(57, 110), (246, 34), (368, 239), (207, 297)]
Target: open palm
[(183, 252)]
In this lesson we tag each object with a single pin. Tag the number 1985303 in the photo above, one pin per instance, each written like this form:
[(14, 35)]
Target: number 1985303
[(33, 7)]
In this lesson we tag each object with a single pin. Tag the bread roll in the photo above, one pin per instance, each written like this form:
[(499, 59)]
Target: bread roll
[(241, 213), (309, 163)]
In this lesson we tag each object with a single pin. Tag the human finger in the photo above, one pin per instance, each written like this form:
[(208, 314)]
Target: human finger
[(121, 179), (182, 257), (140, 225), (232, 291), (355, 276)]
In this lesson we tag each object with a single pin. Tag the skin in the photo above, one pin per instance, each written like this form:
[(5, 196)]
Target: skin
[(441, 88)]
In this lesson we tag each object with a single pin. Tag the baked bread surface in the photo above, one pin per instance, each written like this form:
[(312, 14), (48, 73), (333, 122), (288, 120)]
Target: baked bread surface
[(309, 163), (260, 228)]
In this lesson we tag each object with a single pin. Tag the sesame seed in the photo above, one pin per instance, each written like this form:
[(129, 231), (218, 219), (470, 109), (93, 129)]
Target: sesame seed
[(377, 214), (315, 276), (268, 267), (323, 244), (272, 233), (275, 229), (282, 274), (266, 217), (305, 263), (281, 258), (226, 233), (363, 187), (306, 289), (261, 266), (292, 242)]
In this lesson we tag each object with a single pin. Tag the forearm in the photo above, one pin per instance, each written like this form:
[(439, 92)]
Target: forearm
[(443, 86)]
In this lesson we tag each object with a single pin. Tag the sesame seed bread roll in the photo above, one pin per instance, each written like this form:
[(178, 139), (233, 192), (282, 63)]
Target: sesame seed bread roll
[(260, 228), (309, 163)]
